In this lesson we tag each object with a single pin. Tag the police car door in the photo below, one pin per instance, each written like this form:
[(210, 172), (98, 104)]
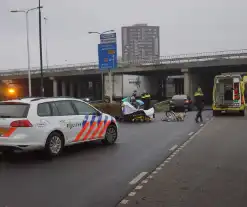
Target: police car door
[(67, 118), (91, 123)]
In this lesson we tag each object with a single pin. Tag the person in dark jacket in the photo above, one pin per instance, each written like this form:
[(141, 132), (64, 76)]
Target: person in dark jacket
[(199, 103), (146, 98), (133, 99)]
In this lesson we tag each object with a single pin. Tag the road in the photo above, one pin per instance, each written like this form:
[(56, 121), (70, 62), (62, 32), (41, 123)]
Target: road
[(91, 175), (209, 171)]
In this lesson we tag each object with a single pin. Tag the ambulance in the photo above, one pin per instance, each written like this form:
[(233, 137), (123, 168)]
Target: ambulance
[(229, 93)]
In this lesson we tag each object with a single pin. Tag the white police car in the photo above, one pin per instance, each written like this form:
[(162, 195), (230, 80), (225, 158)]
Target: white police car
[(52, 123)]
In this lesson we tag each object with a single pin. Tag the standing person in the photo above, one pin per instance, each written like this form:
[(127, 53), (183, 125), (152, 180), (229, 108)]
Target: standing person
[(146, 98), (199, 103)]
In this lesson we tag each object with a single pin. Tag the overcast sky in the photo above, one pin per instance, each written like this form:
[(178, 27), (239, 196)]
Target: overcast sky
[(186, 26)]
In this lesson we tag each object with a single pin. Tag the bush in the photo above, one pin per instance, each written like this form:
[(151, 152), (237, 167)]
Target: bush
[(162, 106), (114, 109)]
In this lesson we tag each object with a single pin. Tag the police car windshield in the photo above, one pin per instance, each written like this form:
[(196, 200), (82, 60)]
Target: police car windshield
[(13, 110)]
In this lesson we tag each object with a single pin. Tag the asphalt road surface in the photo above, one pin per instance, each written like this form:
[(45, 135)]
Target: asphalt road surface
[(91, 175), (210, 171)]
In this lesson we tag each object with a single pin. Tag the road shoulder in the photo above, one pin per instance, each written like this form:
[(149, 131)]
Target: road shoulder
[(207, 170)]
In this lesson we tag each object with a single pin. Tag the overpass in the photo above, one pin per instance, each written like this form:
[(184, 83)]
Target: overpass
[(198, 60), (199, 68)]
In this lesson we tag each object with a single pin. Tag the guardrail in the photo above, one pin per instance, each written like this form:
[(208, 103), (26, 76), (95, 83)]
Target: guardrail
[(182, 58)]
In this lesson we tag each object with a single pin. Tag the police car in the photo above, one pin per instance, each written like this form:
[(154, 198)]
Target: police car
[(51, 124)]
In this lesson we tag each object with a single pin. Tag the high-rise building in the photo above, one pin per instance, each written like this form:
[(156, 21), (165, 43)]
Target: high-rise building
[(140, 42)]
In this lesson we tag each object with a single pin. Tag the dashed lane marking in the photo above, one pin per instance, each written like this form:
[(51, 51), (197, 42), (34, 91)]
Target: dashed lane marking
[(132, 194), (138, 178), (173, 147), (139, 187), (167, 160), (124, 201), (191, 133)]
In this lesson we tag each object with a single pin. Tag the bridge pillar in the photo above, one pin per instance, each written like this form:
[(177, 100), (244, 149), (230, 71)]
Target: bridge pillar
[(54, 81), (186, 81), (78, 89), (63, 88), (71, 89)]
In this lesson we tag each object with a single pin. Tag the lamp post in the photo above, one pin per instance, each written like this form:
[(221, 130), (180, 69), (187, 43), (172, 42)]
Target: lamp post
[(26, 12), (109, 73), (46, 43), (40, 53)]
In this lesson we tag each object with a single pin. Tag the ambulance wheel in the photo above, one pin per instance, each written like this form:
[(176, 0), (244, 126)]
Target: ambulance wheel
[(242, 113)]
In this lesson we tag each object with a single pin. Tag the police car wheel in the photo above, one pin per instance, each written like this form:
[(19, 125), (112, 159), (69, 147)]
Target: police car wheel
[(54, 144), (111, 135)]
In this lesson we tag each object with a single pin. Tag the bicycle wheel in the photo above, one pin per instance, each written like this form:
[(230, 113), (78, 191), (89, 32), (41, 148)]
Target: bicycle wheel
[(171, 115)]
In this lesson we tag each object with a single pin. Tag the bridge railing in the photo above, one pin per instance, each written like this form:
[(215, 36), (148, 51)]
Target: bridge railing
[(171, 59)]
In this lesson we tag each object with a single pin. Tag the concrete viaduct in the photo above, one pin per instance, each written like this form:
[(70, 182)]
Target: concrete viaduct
[(76, 79)]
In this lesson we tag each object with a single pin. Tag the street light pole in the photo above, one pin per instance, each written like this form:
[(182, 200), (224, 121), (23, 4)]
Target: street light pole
[(28, 46), (109, 72), (28, 58), (46, 44), (40, 53)]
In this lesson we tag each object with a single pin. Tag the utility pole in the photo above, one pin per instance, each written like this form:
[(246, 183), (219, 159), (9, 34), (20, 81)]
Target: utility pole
[(40, 53)]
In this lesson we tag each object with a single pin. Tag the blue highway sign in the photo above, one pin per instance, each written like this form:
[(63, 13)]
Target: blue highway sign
[(108, 38), (107, 56)]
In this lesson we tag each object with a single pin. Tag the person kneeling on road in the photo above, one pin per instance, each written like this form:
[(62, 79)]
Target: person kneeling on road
[(199, 103), (133, 99)]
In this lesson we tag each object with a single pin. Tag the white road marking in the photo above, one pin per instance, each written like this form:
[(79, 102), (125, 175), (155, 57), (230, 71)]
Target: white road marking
[(191, 133), (139, 187), (138, 178), (132, 193), (173, 147), (141, 175), (124, 201)]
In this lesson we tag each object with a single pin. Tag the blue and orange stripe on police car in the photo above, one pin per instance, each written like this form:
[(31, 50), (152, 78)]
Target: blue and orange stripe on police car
[(106, 124), (85, 124), (99, 126), (91, 128)]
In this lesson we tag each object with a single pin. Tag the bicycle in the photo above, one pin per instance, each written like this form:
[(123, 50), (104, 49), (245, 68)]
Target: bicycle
[(174, 116)]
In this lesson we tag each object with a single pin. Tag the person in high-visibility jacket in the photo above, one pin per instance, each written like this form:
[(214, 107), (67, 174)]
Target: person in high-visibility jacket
[(146, 98), (199, 103)]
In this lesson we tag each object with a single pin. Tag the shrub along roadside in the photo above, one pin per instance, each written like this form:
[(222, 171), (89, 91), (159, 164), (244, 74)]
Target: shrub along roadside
[(162, 106), (114, 109)]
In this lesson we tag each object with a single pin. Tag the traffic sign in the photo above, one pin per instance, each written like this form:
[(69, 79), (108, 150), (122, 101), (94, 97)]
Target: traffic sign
[(107, 56), (108, 38)]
